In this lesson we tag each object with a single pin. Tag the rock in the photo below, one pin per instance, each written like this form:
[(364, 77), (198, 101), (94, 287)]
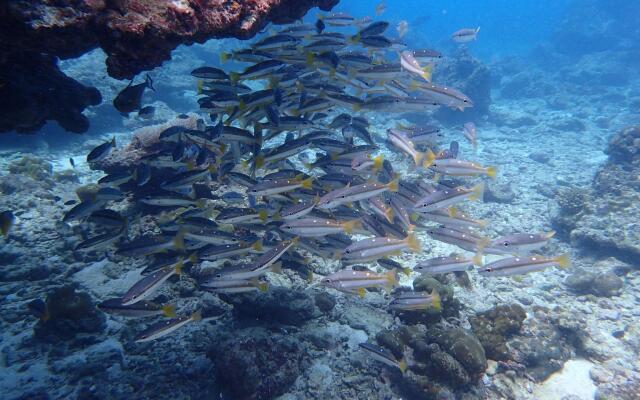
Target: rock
[(464, 347), (136, 35), (278, 304), (70, 313), (257, 364), (450, 307), (495, 326), (392, 341), (604, 284), (499, 193), (540, 156), (324, 301)]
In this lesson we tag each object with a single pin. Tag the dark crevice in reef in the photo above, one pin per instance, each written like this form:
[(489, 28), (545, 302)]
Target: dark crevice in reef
[(136, 35)]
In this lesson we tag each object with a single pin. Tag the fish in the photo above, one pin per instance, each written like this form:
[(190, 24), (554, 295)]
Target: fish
[(350, 194), (210, 73), (519, 243), (378, 247), (129, 98), (448, 197), (146, 112), (316, 227), (409, 63), (383, 355), (380, 8), (456, 167), (320, 26), (228, 250), (164, 328), (277, 186), (416, 301), (72, 163), (138, 310), (7, 220), (470, 132), (402, 142), (444, 265), (101, 152), (522, 265), (99, 241), (452, 217), (148, 285), (402, 27), (464, 239), (145, 247), (356, 282), (465, 35), (82, 210), (231, 286), (298, 210)]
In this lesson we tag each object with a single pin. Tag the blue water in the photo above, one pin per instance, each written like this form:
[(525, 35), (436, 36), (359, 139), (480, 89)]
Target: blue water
[(556, 93)]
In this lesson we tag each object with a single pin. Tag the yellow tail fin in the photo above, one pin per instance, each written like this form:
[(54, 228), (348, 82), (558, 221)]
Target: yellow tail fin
[(224, 57), (477, 259), (257, 245), (178, 268), (169, 310), (393, 186), (196, 316), (407, 271), (234, 76), (263, 215), (307, 183), (361, 292), (563, 260), (435, 300), (478, 192), (199, 86), (378, 161), (392, 279), (491, 172), (262, 286), (178, 241), (349, 226), (259, 161), (388, 214), (413, 243), (549, 235), (427, 72), (310, 58), (402, 365), (276, 268)]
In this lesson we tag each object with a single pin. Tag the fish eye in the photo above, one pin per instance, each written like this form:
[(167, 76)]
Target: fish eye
[(505, 244)]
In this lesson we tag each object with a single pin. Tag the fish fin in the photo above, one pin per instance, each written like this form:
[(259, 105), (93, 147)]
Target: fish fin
[(349, 226), (477, 259), (352, 73), (262, 286), (355, 39), (413, 243), (436, 301), (193, 257), (427, 72), (199, 86), (307, 183), (549, 235), (491, 172), (428, 158), (201, 203), (149, 83), (196, 316), (259, 162), (224, 57), (276, 216), (310, 276), (482, 223), (263, 215), (309, 59), (356, 107), (391, 278), (562, 260), (178, 268), (389, 215), (393, 186), (402, 364), (276, 268), (436, 177), (257, 245), (378, 161), (362, 292), (414, 216), (178, 241), (452, 211), (478, 192), (234, 76), (407, 271), (169, 310)]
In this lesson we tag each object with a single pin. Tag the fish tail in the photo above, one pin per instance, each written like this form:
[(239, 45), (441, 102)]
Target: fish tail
[(224, 57), (309, 59), (169, 310), (562, 260), (257, 245), (388, 214), (477, 258), (413, 243), (393, 186), (178, 268), (259, 163), (549, 235), (199, 86), (193, 257), (482, 223), (310, 276), (378, 161), (402, 364), (276, 216), (428, 158), (478, 192), (178, 241), (491, 172), (197, 316), (234, 76), (263, 215), (349, 226), (276, 268), (427, 72), (307, 183), (407, 271), (391, 278), (355, 39), (436, 301), (452, 211), (362, 292), (149, 83)]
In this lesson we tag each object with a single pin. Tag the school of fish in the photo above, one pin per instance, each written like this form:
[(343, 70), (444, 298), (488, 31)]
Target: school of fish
[(286, 167)]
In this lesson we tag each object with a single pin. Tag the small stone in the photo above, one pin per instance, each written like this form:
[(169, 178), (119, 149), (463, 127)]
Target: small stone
[(610, 315), (540, 156)]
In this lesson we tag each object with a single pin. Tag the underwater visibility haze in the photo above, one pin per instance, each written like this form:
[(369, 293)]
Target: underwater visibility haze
[(320, 199)]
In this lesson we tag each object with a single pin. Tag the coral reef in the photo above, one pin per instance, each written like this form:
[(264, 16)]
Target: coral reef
[(495, 326), (136, 36), (606, 225), (69, 313), (278, 305)]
